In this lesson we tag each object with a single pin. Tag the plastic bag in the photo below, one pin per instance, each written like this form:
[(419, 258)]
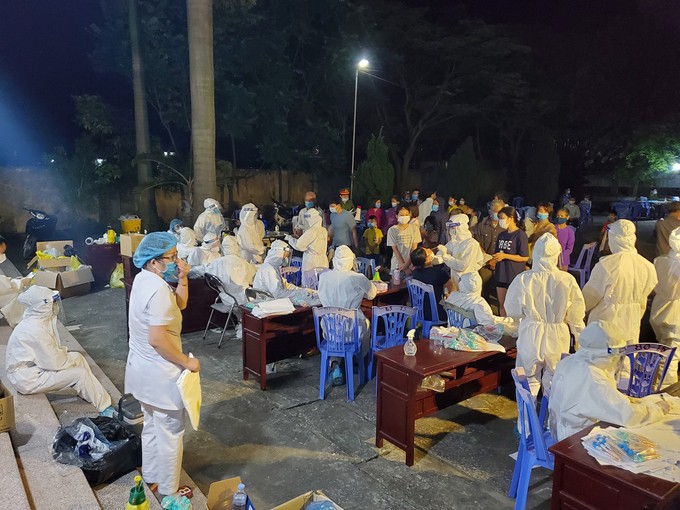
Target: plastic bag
[(116, 280), (176, 503), (74, 264), (491, 333)]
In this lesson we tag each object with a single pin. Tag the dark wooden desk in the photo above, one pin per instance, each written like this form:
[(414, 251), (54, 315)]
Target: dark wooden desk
[(401, 401), (103, 259), (579, 482), (270, 339)]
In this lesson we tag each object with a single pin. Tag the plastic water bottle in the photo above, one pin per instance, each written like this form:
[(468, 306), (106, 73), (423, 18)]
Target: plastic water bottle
[(410, 347), (240, 498)]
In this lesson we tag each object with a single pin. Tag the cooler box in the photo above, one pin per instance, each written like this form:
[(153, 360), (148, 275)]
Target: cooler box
[(129, 413)]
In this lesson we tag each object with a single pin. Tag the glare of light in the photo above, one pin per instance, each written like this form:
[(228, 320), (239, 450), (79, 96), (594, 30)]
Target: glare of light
[(363, 63), (676, 167), (51, 161), (99, 161)]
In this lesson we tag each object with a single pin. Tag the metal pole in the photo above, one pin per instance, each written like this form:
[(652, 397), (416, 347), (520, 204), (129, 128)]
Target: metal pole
[(354, 133)]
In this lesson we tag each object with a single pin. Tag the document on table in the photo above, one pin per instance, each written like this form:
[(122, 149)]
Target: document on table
[(273, 307), (189, 384)]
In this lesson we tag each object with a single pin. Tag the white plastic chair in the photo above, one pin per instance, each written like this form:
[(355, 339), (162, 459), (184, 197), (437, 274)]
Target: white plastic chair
[(582, 266)]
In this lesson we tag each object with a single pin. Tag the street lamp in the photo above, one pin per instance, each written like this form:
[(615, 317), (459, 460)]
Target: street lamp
[(676, 167), (362, 64)]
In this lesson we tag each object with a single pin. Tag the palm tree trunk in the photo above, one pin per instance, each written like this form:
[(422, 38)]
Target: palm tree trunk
[(202, 79), (145, 199)]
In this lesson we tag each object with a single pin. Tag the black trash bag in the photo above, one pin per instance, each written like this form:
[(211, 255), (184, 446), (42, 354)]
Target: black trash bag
[(123, 453)]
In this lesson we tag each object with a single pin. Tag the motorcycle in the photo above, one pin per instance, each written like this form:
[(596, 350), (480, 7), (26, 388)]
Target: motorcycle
[(39, 227), (283, 216)]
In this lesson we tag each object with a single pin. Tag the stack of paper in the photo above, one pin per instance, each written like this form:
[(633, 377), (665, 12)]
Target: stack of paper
[(273, 307)]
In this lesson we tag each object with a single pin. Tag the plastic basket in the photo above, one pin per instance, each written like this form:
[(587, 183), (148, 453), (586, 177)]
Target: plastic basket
[(131, 226)]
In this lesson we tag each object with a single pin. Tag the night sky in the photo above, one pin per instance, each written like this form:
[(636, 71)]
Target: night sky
[(44, 46)]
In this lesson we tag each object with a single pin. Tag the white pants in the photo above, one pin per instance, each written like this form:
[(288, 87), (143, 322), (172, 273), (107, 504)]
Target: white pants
[(162, 447), (31, 380)]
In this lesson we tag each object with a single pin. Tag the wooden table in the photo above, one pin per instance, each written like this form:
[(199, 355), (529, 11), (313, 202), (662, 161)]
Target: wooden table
[(270, 339), (579, 482), (401, 401), (103, 259)]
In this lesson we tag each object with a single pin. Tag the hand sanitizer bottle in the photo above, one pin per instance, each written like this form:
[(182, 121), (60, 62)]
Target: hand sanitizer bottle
[(410, 347)]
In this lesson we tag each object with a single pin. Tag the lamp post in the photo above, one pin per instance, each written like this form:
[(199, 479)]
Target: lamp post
[(362, 64)]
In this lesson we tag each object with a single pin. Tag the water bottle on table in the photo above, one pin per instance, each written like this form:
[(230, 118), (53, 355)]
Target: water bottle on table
[(240, 498)]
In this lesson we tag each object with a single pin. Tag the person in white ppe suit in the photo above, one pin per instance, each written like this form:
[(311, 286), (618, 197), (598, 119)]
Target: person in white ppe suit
[(250, 235), (469, 297), (10, 289), (175, 227), (236, 274), (620, 283), (665, 313), (462, 253), (155, 360), (550, 305), (584, 387), (313, 243), (202, 256), (268, 276), (37, 362), (210, 220)]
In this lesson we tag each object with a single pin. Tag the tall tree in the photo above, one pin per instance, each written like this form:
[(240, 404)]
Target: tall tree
[(202, 80)]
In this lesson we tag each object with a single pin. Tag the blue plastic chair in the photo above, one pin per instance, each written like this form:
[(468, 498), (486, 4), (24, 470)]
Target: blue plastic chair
[(311, 279), (459, 317), (292, 275), (645, 361), (417, 291), (296, 262), (533, 443), (366, 267), (338, 337), (518, 202), (394, 319)]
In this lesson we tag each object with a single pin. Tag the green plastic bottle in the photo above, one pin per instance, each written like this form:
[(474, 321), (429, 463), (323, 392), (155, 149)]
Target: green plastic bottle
[(137, 499), (376, 276)]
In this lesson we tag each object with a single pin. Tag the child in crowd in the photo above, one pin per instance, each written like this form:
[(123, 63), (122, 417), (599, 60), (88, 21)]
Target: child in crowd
[(566, 236), (373, 236)]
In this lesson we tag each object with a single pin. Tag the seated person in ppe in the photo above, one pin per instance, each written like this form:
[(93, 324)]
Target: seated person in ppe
[(422, 259), (250, 234), (236, 274), (175, 227), (10, 289), (462, 253), (37, 362), (343, 287), (313, 243), (268, 276), (584, 387), (665, 313), (550, 306), (469, 297), (210, 220), (188, 251)]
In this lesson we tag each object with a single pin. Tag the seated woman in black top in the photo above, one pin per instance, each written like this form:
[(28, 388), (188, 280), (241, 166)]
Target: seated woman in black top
[(422, 258)]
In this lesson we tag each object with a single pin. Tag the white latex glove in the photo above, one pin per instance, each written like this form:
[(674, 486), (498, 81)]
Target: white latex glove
[(441, 249)]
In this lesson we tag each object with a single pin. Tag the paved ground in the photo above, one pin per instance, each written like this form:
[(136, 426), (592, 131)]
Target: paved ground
[(285, 441)]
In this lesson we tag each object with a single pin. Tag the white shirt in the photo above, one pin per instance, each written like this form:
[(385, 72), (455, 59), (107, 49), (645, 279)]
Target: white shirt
[(402, 241), (148, 376)]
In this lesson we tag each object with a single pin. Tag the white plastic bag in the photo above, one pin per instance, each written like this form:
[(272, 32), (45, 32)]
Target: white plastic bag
[(189, 384)]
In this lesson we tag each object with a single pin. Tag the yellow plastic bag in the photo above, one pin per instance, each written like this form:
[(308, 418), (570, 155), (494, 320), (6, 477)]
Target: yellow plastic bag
[(116, 280), (74, 263)]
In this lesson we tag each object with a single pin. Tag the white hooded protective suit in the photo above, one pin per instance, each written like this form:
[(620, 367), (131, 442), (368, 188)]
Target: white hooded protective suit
[(469, 297), (268, 276), (10, 308), (187, 250), (345, 288), (250, 235), (462, 253), (236, 274), (210, 220), (620, 283), (210, 248), (665, 313), (584, 388), (312, 243), (549, 304), (37, 362), (425, 209)]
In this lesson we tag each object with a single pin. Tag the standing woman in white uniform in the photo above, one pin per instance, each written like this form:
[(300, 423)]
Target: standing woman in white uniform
[(156, 360)]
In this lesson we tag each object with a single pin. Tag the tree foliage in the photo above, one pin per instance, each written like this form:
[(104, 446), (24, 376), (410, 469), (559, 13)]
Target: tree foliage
[(375, 175)]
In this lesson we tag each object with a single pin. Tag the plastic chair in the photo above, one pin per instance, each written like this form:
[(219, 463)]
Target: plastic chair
[(292, 275), (586, 217), (518, 202), (310, 279), (582, 266), (457, 316), (417, 292), (257, 294), (534, 441), (366, 267), (339, 337), (645, 361), (296, 262), (218, 306), (394, 319)]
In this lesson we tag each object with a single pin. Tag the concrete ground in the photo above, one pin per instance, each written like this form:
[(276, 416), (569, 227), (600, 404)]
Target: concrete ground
[(285, 441)]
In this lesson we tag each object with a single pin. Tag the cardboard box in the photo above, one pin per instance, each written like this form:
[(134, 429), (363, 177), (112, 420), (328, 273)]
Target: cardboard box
[(301, 502), (7, 420), (68, 283), (51, 264), (221, 494), (129, 243)]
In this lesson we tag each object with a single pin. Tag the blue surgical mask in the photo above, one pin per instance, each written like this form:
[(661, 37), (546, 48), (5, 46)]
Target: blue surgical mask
[(378, 205), (394, 205), (414, 197), (309, 205), (494, 216), (371, 225), (170, 273), (561, 220), (435, 208), (543, 216)]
